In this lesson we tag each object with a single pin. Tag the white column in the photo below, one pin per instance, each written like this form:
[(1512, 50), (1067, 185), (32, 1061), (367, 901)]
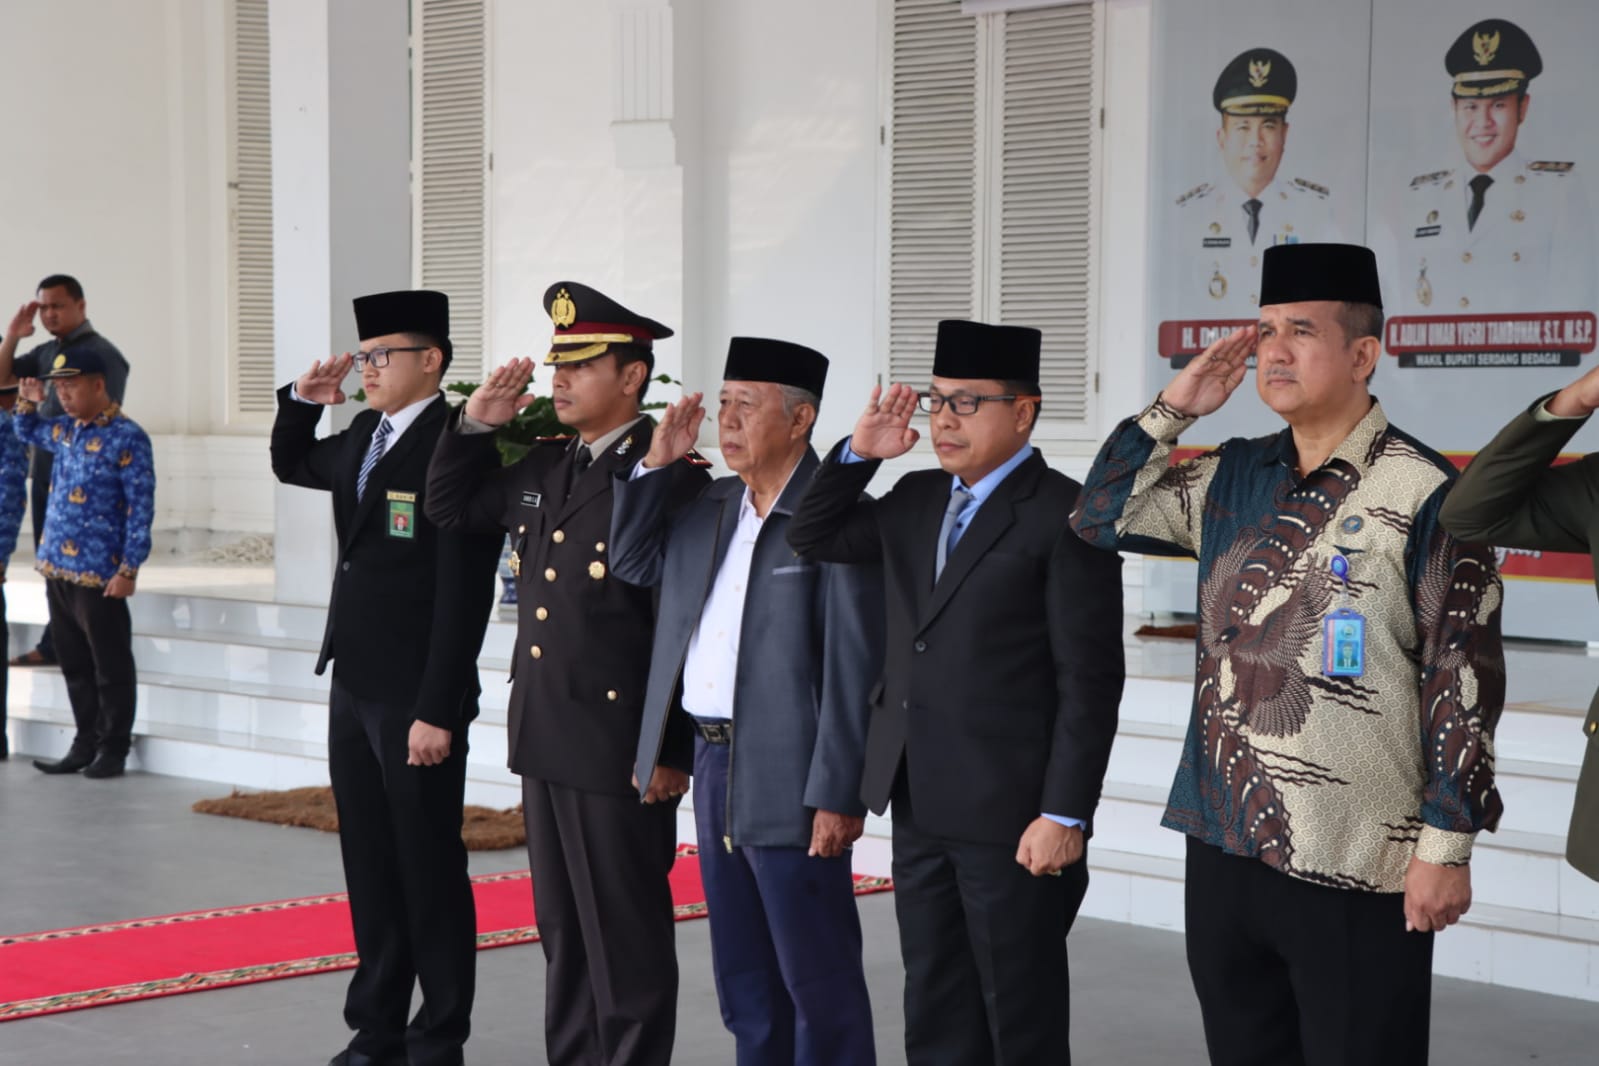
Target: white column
[(341, 216)]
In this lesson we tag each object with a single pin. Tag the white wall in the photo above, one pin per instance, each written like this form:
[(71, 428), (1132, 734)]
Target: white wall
[(120, 181)]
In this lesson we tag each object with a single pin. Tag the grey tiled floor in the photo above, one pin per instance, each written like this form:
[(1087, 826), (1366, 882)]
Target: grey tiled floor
[(74, 851)]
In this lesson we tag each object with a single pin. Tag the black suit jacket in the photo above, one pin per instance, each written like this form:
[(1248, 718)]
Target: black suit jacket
[(1002, 681), (407, 613), (583, 636)]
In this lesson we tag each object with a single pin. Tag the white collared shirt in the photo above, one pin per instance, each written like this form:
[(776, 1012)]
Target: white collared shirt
[(401, 420), (710, 670)]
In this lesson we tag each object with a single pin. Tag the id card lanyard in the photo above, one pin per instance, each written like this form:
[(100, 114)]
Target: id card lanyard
[(1343, 631)]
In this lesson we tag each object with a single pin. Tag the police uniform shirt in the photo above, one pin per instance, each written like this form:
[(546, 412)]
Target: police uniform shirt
[(1221, 263), (1531, 248)]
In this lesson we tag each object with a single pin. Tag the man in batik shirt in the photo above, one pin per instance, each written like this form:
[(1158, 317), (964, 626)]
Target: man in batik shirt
[(1339, 760)]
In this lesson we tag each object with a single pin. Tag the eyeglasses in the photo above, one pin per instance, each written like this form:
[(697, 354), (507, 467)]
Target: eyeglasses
[(379, 357), (962, 403)]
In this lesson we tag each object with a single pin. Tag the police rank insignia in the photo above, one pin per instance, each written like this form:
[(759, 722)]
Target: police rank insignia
[(563, 312), (626, 446)]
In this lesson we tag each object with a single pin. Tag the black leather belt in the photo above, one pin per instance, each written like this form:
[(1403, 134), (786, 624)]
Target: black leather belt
[(714, 730)]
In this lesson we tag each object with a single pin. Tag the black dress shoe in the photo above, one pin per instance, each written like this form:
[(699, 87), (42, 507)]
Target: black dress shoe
[(356, 1058), (70, 763), (106, 765)]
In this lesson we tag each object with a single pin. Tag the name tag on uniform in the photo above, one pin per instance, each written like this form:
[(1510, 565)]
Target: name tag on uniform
[(1218, 242), (531, 499), (1428, 231), (402, 515), (1343, 644)]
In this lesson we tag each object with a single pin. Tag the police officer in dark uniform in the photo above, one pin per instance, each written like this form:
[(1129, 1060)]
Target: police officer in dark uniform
[(405, 624), (600, 859)]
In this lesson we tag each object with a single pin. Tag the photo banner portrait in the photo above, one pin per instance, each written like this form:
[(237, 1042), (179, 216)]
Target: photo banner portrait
[(1454, 139)]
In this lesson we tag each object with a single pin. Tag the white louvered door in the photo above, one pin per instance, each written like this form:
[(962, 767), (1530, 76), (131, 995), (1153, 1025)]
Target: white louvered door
[(450, 168), (250, 377)]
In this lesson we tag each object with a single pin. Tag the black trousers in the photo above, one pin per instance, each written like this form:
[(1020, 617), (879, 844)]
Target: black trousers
[(604, 911), (411, 902), (984, 946), (94, 644), (38, 502), (1291, 973)]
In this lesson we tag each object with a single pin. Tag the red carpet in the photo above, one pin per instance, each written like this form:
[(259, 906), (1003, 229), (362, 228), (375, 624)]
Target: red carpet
[(69, 969)]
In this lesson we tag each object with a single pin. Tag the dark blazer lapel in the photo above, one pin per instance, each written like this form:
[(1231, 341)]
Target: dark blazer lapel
[(732, 498), (994, 517), (424, 428), (597, 478)]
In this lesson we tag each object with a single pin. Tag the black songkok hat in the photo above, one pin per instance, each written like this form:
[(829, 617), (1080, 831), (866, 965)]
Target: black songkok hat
[(1260, 81), (981, 351), (1295, 273), (1492, 58), (588, 323), (406, 311), (780, 362)]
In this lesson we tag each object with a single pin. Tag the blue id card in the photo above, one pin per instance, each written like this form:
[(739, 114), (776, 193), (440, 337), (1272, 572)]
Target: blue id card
[(1343, 644)]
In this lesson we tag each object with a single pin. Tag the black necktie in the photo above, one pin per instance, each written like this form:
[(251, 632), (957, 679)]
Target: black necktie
[(1252, 209), (1479, 186), (581, 461)]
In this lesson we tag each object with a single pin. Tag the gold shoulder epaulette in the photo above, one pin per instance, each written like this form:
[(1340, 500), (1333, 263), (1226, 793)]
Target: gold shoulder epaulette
[(694, 458), (1310, 186), (1429, 179), (1549, 166), (1197, 192)]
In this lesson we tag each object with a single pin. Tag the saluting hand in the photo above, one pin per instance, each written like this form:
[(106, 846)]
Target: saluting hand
[(321, 384), (679, 428), (31, 389), (1579, 399), (497, 400), (832, 833), (884, 428), (1210, 377), (22, 321)]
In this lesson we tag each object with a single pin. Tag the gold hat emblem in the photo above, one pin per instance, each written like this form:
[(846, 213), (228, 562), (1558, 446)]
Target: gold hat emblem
[(60, 361), (563, 312), (1484, 46), (1259, 71)]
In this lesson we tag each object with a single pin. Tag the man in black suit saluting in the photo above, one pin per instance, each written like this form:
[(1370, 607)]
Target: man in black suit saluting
[(406, 618), (993, 726)]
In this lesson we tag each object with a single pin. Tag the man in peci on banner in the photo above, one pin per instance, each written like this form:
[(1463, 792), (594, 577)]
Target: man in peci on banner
[(1494, 231)]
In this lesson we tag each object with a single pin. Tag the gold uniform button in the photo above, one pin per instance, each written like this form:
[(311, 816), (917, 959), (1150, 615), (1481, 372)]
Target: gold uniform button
[(536, 651), (1465, 301), (541, 614), (600, 546), (1515, 257), (1465, 257), (611, 694), (549, 574), (558, 536), (1593, 727), (596, 570), (521, 529)]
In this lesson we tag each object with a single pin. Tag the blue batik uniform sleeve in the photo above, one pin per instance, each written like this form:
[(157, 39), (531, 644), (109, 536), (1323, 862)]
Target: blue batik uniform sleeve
[(32, 428), (137, 465), (13, 487)]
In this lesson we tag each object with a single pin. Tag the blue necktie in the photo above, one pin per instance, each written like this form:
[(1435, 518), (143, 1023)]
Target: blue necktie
[(373, 454), (958, 502)]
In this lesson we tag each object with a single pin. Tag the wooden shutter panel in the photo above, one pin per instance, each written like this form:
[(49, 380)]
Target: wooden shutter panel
[(933, 179), (1045, 215), (451, 171), (250, 215)]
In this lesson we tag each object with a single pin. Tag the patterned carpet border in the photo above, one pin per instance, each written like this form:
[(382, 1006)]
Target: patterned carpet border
[(199, 982)]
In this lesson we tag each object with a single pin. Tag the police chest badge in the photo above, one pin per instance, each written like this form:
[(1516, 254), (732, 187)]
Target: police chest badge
[(402, 515)]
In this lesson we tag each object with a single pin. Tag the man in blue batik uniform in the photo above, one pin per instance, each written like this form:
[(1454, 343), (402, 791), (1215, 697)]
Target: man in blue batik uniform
[(96, 535), (13, 500)]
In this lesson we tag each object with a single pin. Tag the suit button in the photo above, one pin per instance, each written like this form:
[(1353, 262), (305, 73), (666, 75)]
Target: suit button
[(558, 536), (344, 566), (521, 529), (611, 694), (541, 614), (549, 574), (536, 651), (904, 705), (920, 645)]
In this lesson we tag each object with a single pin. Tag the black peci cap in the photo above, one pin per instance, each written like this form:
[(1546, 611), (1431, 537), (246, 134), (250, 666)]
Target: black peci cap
[(977, 350), (1297, 273), (780, 362)]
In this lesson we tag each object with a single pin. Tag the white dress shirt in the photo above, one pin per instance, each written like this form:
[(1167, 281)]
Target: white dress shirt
[(399, 421)]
